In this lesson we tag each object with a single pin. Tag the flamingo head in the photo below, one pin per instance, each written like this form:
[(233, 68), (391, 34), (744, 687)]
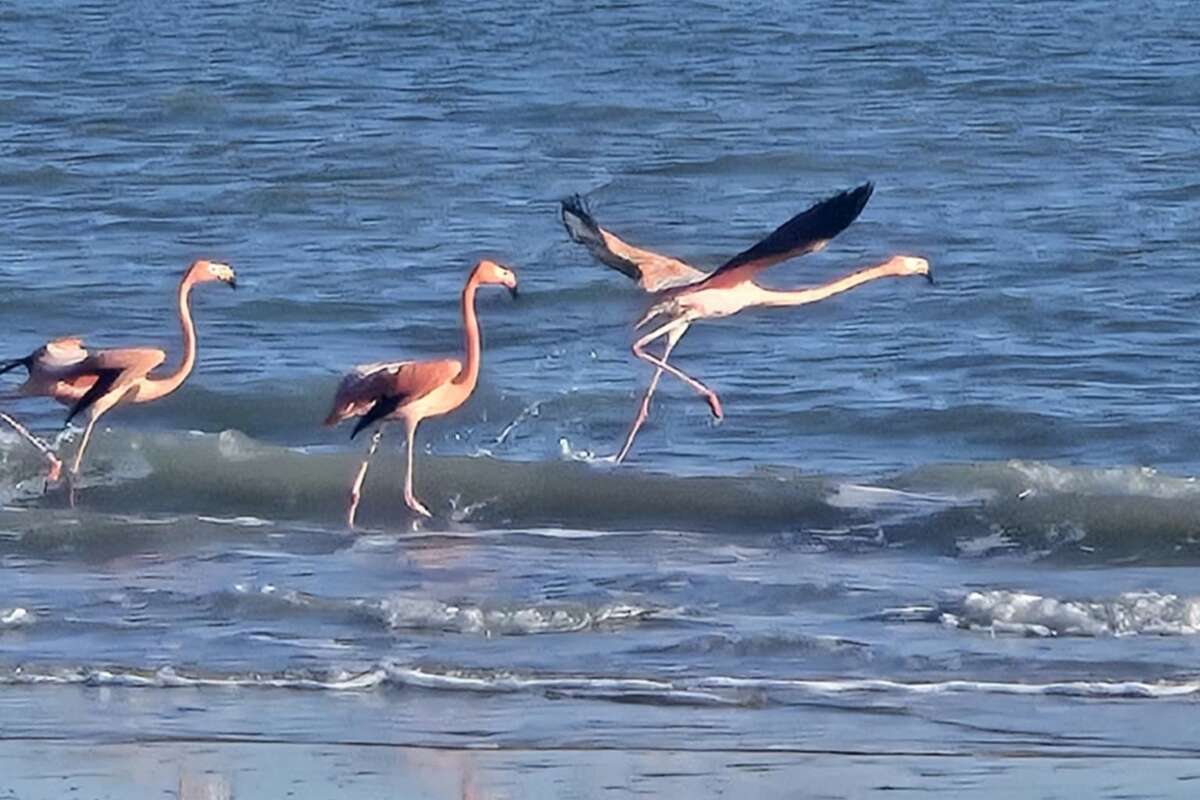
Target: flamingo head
[(203, 271), (491, 272), (912, 265)]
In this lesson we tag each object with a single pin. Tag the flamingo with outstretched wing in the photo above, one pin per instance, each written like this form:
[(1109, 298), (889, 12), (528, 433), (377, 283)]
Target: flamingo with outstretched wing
[(685, 294)]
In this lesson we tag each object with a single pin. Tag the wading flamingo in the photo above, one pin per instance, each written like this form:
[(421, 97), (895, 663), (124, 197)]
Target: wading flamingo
[(685, 294), (410, 391), (97, 381)]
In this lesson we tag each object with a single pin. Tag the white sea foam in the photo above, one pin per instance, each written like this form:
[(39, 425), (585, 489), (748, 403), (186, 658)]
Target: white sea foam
[(1026, 613), (1094, 688), (423, 613), (168, 678), (241, 521), (1131, 481), (702, 690), (15, 618), (403, 612)]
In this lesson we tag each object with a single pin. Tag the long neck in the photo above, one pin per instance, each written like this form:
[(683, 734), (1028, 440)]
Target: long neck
[(770, 297), (161, 387), (470, 373)]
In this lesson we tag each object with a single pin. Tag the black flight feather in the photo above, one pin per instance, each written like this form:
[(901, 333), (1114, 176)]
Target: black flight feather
[(808, 230), (383, 406), (582, 228), (26, 362), (105, 379)]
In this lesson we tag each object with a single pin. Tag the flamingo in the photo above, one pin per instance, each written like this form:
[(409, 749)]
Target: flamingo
[(685, 294), (411, 391), (98, 381)]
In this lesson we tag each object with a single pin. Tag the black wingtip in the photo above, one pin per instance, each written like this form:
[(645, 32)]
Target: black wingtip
[(808, 231), (105, 380), (827, 218), (8, 366), (583, 229), (578, 221), (843, 208), (383, 406)]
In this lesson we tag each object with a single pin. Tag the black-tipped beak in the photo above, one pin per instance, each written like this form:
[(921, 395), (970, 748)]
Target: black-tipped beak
[(512, 290), (233, 283), (929, 277)]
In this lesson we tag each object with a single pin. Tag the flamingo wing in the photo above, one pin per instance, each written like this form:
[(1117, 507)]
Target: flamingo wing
[(807, 232), (374, 391), (108, 371), (47, 362), (59, 355), (652, 271)]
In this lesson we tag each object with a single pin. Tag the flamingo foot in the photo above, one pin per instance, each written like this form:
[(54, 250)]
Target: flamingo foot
[(714, 403), (352, 511), (416, 505), (55, 473)]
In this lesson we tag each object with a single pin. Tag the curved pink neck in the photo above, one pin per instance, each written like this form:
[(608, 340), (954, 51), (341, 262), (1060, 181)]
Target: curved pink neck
[(771, 297), (470, 373), (161, 387)]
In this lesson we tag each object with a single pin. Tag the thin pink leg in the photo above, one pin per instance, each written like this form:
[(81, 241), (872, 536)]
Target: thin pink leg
[(87, 437), (73, 475), (356, 489), (673, 336), (714, 402), (39, 445), (410, 498)]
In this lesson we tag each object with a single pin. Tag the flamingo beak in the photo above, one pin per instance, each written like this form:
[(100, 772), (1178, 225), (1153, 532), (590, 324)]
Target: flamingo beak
[(233, 283), (512, 290), (929, 277)]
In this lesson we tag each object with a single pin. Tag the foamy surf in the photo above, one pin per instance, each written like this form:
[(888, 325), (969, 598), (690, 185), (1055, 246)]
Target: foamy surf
[(1029, 614), (970, 510), (15, 618), (741, 691), (412, 613)]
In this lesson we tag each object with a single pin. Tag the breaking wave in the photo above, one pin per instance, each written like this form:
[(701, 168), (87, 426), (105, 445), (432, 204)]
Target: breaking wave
[(1028, 614), (968, 510), (15, 618), (716, 690), (415, 613)]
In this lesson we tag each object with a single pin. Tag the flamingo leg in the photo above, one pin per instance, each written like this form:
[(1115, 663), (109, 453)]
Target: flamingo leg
[(87, 437), (409, 498), (73, 475), (673, 336), (39, 445), (356, 489), (714, 402)]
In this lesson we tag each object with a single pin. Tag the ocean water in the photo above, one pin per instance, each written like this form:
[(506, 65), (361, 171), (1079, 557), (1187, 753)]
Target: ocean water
[(946, 538)]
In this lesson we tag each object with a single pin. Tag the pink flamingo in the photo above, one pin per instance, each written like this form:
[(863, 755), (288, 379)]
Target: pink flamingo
[(685, 294), (411, 391), (98, 381)]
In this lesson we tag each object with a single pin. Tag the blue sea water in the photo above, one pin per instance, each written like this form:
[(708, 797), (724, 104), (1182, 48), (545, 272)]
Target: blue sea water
[(945, 533)]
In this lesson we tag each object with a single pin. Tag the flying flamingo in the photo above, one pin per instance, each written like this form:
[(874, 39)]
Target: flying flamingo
[(97, 381), (413, 390), (685, 294)]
